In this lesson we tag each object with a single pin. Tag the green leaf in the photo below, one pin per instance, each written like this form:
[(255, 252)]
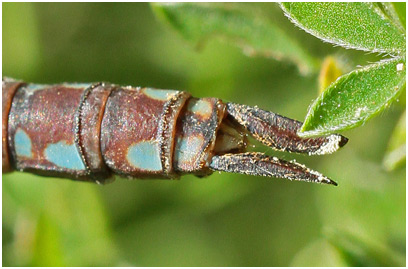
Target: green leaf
[(388, 9), (396, 151), (361, 26), (400, 8), (402, 99), (240, 24), (355, 97)]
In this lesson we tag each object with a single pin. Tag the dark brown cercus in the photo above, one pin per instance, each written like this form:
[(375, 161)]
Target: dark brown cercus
[(280, 133), (91, 131), (258, 164)]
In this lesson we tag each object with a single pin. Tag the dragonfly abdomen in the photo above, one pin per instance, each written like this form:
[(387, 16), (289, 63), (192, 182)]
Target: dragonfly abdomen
[(90, 131), (87, 131)]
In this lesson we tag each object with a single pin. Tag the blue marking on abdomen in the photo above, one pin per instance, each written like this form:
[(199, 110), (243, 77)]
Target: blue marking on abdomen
[(188, 149), (162, 95), (35, 87), (201, 107), (145, 155), (22, 144), (64, 155), (77, 85)]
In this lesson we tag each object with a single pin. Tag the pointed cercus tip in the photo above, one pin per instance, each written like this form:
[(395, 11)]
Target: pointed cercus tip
[(330, 144), (343, 141), (316, 177), (331, 182)]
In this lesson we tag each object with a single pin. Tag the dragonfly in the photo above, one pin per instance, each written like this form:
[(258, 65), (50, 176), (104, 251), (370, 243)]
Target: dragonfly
[(92, 131)]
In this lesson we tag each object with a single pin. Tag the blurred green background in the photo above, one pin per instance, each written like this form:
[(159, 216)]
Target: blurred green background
[(221, 220)]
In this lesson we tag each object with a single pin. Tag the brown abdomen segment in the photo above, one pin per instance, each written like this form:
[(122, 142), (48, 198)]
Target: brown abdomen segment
[(42, 130), (138, 130), (196, 133)]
